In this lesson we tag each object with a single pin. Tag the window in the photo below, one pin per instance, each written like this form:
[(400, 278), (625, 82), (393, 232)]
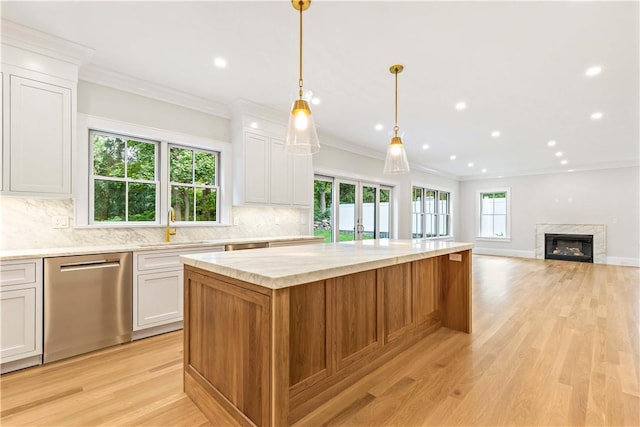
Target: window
[(193, 184), (126, 180), (494, 214), (431, 213)]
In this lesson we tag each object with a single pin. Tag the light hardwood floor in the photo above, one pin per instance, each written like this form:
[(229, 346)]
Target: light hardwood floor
[(554, 343)]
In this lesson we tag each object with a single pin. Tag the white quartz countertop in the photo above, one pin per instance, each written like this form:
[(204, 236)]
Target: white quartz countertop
[(138, 246), (281, 267)]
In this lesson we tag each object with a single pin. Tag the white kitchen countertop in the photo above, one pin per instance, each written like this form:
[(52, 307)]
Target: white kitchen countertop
[(281, 267), (137, 246)]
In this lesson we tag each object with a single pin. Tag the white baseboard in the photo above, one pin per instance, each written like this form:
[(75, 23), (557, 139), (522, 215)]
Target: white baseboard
[(616, 260), (504, 252), (20, 364)]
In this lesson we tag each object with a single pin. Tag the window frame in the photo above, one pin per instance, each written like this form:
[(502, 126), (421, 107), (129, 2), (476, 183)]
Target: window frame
[(126, 179), (193, 185), (81, 161), (479, 214), (426, 214)]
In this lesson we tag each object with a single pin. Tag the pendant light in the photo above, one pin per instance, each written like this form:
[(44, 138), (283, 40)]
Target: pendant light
[(301, 133), (396, 162)]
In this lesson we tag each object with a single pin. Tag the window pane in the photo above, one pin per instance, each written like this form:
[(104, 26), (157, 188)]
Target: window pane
[(416, 227), (182, 202), (431, 230), (108, 156), (181, 165), (499, 226), (205, 168), (486, 226), (443, 207), (109, 201), (141, 160), (500, 206), (430, 201), (322, 209), (443, 225), (206, 204), (385, 213), (142, 202)]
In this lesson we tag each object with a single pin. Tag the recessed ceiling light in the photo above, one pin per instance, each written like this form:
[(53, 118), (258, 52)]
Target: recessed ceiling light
[(254, 125), (470, 164), (570, 170), (220, 62), (597, 115), (593, 71), (315, 100), (499, 176), (558, 153), (379, 127), (452, 157), (425, 146), (484, 170), (551, 143), (564, 162), (461, 106), (495, 133)]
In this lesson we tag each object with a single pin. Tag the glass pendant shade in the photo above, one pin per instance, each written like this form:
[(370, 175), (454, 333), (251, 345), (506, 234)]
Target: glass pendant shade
[(396, 162), (302, 138)]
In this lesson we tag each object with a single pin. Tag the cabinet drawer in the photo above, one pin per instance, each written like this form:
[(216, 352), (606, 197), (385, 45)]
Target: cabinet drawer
[(155, 260), (18, 273)]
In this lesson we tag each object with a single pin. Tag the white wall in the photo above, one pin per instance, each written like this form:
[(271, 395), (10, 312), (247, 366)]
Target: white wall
[(360, 165), (610, 197), (106, 102)]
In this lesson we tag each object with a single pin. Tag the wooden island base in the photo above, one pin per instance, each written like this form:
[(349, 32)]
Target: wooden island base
[(271, 356)]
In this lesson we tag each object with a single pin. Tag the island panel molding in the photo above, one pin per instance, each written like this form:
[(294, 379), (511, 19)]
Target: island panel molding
[(270, 356)]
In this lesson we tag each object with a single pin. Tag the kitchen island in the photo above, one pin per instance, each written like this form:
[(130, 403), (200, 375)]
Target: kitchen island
[(271, 334)]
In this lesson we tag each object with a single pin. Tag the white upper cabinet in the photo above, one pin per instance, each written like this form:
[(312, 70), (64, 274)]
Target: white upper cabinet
[(39, 83), (39, 137), (264, 174)]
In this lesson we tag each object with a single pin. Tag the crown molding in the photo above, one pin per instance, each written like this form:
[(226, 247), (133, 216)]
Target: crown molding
[(17, 35), (575, 168), (102, 76), (243, 107)]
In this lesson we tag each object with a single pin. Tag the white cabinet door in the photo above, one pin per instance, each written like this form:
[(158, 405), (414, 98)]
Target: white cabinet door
[(18, 318), (40, 137), (159, 299), (256, 179), (280, 190)]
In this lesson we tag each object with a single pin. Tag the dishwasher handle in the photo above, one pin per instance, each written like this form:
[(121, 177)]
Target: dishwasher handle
[(89, 265)]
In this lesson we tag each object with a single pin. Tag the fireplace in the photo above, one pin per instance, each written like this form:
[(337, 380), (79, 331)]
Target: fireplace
[(569, 247)]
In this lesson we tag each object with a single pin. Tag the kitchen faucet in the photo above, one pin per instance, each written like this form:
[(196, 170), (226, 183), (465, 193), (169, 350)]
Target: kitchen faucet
[(171, 216)]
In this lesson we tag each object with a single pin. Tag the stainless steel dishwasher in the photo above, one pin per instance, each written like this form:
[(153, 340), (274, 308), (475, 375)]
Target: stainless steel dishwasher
[(87, 303)]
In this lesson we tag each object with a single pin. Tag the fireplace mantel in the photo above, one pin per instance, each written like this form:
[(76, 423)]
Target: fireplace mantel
[(598, 231)]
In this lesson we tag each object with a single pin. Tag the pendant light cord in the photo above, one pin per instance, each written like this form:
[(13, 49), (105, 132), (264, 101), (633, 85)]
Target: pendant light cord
[(300, 3), (395, 127)]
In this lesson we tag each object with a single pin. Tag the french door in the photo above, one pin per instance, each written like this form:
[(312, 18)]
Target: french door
[(363, 210)]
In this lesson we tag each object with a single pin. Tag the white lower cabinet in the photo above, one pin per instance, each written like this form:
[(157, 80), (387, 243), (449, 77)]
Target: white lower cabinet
[(158, 290), (20, 314)]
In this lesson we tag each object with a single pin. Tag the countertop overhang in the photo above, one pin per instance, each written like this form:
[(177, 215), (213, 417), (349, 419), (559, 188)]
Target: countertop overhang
[(17, 254), (282, 267)]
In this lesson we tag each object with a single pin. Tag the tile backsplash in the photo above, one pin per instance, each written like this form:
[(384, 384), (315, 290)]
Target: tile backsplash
[(29, 224)]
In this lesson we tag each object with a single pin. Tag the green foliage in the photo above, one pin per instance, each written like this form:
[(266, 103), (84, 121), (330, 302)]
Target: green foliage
[(125, 184)]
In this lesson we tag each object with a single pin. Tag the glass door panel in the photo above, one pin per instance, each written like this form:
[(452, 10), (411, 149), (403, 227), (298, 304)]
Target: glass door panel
[(323, 208), (367, 227), (385, 213), (347, 219)]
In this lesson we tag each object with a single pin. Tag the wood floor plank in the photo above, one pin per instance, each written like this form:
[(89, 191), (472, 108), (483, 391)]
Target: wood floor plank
[(554, 344)]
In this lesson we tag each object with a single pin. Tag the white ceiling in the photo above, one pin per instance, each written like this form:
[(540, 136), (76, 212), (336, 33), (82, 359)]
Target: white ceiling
[(519, 66)]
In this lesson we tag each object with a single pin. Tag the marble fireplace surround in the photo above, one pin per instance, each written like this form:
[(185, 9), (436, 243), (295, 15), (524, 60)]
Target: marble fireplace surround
[(598, 231)]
